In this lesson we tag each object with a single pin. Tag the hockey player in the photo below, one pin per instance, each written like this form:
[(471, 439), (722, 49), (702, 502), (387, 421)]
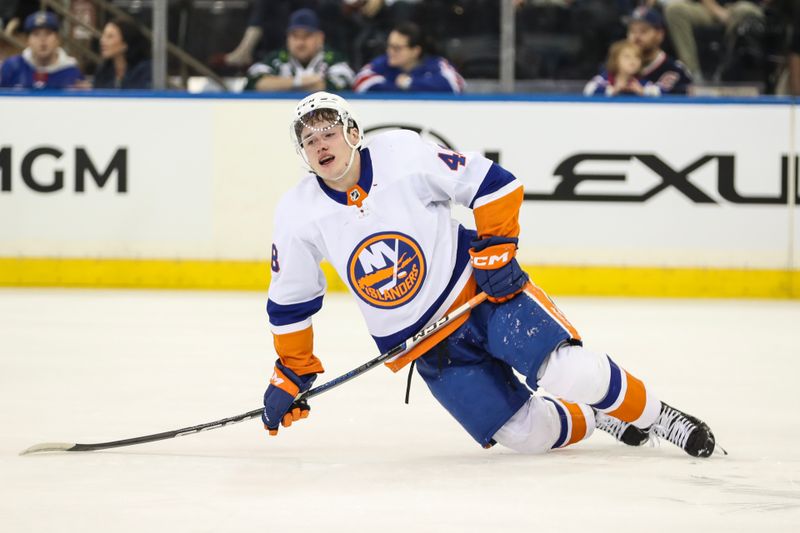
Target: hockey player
[(379, 212)]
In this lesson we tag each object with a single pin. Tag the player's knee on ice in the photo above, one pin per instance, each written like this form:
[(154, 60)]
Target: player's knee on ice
[(544, 423)]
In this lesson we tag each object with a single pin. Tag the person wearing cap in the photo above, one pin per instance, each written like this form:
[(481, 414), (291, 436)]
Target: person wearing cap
[(646, 30), (683, 16), (266, 30), (305, 64), (43, 64)]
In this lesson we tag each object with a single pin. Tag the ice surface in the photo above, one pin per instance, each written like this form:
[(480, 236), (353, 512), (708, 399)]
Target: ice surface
[(89, 366)]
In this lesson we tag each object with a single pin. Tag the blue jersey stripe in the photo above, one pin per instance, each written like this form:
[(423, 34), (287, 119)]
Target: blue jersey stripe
[(283, 315), (562, 415), (465, 237), (613, 388), (496, 178)]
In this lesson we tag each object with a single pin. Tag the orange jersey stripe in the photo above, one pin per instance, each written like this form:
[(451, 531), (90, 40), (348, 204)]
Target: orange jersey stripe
[(295, 351), (578, 423), (544, 300), (633, 405), (470, 290), (499, 217)]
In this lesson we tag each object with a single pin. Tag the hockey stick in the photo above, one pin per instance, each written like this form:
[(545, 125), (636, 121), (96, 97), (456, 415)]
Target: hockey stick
[(429, 332)]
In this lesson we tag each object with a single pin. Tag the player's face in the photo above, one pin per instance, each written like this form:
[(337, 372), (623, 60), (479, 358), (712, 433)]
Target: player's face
[(304, 44), (327, 151), (43, 43), (400, 54), (629, 62), (111, 42), (645, 36)]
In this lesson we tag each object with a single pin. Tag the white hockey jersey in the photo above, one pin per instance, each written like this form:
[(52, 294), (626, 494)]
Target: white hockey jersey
[(391, 239)]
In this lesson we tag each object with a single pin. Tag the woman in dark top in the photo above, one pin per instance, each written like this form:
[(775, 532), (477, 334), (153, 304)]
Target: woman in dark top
[(126, 58)]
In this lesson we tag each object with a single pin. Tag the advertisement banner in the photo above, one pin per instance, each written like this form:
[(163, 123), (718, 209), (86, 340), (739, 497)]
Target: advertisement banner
[(104, 177), (608, 184), (628, 184)]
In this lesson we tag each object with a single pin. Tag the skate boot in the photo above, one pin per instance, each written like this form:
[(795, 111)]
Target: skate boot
[(622, 431), (683, 430)]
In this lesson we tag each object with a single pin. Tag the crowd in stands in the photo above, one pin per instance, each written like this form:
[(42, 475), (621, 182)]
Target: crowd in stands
[(623, 47), (43, 63)]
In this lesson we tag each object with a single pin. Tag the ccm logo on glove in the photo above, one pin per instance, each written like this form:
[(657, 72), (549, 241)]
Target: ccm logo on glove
[(496, 271), (494, 256)]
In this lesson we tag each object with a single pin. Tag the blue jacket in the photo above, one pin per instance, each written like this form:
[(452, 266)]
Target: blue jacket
[(20, 71), (433, 74)]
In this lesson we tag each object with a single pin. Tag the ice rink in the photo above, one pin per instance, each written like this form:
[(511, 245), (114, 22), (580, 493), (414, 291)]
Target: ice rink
[(92, 365)]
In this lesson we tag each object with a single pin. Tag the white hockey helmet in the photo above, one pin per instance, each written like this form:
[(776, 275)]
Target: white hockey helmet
[(304, 117)]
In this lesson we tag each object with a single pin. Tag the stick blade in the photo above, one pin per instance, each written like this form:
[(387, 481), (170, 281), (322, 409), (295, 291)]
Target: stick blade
[(49, 447)]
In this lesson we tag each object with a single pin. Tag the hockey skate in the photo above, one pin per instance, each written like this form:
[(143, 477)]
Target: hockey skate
[(683, 430), (622, 431)]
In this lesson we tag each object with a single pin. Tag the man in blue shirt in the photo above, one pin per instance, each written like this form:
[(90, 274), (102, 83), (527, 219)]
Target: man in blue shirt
[(43, 64), (407, 67)]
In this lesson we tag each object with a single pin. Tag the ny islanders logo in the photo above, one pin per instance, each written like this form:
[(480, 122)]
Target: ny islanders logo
[(387, 269)]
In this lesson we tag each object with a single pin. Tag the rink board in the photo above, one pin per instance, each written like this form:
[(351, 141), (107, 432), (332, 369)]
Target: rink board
[(625, 197)]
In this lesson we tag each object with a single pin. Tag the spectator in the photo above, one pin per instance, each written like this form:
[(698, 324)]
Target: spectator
[(126, 58), (685, 15), (408, 66), (43, 64), (646, 30), (305, 64), (266, 28), (621, 76)]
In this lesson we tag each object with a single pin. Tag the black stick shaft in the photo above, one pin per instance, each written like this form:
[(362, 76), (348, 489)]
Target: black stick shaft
[(425, 333)]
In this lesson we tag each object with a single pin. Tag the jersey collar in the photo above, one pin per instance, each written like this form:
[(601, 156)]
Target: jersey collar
[(364, 180)]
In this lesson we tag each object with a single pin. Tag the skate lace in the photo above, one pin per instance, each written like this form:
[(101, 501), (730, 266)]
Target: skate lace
[(611, 425), (672, 426)]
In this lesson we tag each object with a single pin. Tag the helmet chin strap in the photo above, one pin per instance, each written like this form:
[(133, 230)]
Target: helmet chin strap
[(347, 167)]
